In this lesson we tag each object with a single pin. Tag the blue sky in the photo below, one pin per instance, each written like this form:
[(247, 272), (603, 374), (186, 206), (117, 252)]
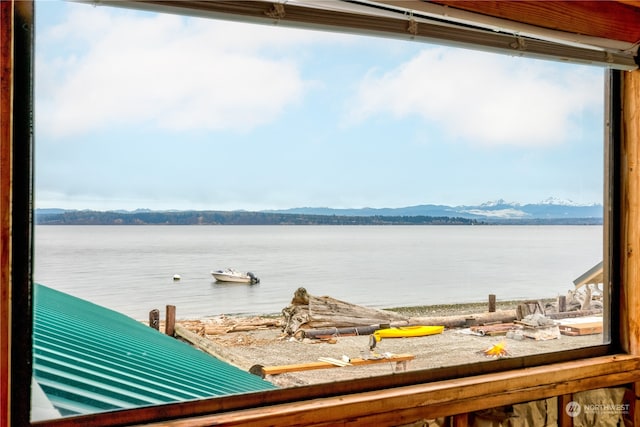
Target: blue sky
[(142, 110)]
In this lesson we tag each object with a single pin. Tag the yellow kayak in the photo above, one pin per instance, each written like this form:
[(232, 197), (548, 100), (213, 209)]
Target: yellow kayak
[(407, 331)]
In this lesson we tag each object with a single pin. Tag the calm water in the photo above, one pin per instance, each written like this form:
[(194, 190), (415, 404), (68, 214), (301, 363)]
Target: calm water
[(130, 268)]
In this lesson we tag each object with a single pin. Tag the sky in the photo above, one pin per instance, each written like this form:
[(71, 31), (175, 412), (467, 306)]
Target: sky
[(137, 110)]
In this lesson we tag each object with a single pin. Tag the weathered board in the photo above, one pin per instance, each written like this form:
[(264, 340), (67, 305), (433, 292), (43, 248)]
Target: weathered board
[(496, 329), (575, 329), (399, 359), (542, 333)]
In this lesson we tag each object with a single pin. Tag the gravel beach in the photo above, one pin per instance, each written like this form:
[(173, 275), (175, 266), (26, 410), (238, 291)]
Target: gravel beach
[(452, 347), (269, 346)]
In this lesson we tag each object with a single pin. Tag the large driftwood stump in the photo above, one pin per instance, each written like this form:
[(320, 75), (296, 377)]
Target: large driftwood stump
[(311, 312)]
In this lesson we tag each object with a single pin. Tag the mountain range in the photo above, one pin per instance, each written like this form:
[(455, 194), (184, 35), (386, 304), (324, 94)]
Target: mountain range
[(495, 211), (550, 211)]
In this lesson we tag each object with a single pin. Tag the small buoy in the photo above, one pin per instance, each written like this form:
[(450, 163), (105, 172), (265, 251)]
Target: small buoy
[(176, 277)]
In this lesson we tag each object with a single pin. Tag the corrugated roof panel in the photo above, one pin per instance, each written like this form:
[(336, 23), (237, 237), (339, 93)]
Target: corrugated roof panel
[(91, 359)]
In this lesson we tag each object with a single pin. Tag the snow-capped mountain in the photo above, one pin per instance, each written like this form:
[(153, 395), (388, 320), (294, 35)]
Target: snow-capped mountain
[(547, 209)]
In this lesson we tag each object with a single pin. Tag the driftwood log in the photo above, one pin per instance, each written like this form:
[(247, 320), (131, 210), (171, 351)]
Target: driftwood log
[(224, 325), (338, 332), (465, 320), (501, 316), (311, 312)]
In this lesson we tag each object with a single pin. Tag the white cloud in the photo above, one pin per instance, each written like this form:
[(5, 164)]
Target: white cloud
[(164, 71), (487, 99)]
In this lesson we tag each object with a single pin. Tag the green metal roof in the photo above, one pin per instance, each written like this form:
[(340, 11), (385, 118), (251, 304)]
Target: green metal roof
[(91, 359)]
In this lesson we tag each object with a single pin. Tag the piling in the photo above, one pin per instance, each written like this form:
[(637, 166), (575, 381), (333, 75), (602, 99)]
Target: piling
[(492, 303), (562, 304), (170, 322), (154, 319)]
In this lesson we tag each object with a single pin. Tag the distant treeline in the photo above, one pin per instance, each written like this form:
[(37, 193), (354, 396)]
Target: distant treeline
[(235, 218), (546, 221)]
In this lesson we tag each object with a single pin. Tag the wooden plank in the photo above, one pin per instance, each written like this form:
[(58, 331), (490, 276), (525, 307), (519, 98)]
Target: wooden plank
[(325, 364), (491, 330), (590, 328), (542, 333), (574, 314), (336, 362)]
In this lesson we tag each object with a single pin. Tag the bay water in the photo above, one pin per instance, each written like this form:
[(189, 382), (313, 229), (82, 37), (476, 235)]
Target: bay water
[(130, 269)]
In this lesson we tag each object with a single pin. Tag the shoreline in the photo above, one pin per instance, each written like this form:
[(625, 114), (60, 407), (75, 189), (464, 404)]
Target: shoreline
[(461, 308), (431, 310)]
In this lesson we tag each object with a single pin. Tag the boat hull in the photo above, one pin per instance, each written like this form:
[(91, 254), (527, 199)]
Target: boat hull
[(231, 275), (221, 277), (407, 331)]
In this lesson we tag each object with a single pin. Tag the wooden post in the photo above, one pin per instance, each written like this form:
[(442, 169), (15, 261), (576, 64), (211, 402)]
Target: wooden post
[(562, 304), (629, 219), (460, 420), (630, 214), (492, 303), (631, 417), (17, 125), (154, 319), (170, 321), (564, 419), (6, 237)]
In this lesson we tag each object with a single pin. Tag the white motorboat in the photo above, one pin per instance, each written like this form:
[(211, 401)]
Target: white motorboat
[(231, 275)]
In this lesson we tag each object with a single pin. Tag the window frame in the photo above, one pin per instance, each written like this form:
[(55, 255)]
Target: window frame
[(420, 394)]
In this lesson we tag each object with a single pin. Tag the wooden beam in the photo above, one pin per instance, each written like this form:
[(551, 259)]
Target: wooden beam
[(630, 215), (373, 19), (6, 91), (629, 305), (608, 19), (400, 405), (16, 122)]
